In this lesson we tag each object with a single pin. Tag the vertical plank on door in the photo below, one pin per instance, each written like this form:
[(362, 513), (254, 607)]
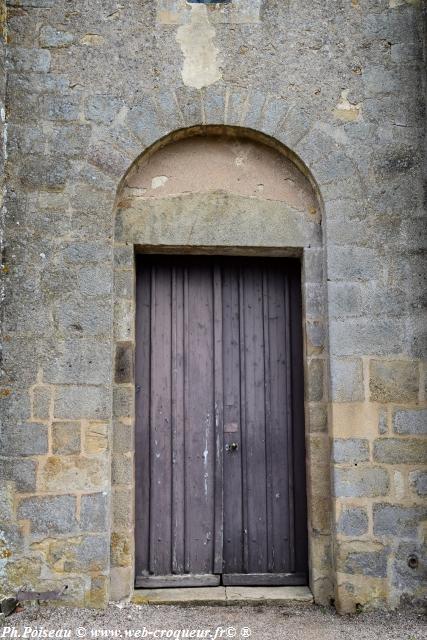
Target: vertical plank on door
[(160, 420), (142, 413), (218, 420), (199, 428), (254, 449), (233, 491), (177, 425)]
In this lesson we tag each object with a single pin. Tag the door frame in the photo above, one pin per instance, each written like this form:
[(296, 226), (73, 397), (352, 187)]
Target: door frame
[(315, 404)]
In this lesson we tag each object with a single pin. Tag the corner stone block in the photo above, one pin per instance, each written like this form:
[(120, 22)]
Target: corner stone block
[(353, 521), (95, 437), (24, 440), (121, 584), (369, 482), (347, 380), (400, 450), (410, 421), (393, 381), (315, 380), (41, 402), (93, 512), (124, 365), (396, 520), (350, 450), (49, 514)]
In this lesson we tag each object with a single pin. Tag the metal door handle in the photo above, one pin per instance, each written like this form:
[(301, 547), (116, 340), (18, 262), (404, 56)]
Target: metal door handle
[(232, 447)]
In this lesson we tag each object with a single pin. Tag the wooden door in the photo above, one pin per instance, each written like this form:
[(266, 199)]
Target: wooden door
[(220, 462)]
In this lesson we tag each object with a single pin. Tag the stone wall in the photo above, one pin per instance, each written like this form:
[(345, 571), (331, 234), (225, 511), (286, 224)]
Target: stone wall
[(90, 86)]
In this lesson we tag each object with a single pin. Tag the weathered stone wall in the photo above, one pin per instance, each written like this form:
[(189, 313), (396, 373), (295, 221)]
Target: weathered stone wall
[(92, 84)]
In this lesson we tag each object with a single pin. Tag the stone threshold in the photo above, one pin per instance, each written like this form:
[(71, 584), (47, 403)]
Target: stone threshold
[(224, 596)]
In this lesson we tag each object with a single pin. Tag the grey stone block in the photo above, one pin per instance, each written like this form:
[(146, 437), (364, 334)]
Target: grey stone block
[(41, 402), (344, 299), (49, 514), (346, 380), (102, 108), (29, 60), (76, 402), (124, 363), (85, 252), (348, 263), (51, 37), (382, 423), (315, 380), (366, 563), (393, 381), (405, 579), (400, 450), (397, 520), (418, 480), (44, 172), (60, 108), (410, 421), (21, 471), (95, 280), (144, 120), (122, 469), (361, 482), (79, 361), (350, 450), (123, 402), (93, 512), (353, 521), (24, 440), (84, 316), (361, 336), (123, 441)]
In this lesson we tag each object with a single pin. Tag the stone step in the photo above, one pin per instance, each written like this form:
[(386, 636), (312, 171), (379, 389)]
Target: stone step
[(224, 595)]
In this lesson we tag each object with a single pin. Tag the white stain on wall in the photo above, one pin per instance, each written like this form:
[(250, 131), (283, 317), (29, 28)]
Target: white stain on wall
[(196, 40)]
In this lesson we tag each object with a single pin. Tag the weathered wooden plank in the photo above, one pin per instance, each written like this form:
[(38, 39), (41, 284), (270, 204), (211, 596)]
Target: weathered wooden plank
[(173, 581), (218, 420)]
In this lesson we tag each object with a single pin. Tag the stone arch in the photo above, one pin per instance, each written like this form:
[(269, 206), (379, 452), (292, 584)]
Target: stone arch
[(158, 215)]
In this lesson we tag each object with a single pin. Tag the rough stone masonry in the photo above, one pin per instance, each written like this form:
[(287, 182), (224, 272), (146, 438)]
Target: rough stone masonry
[(85, 88)]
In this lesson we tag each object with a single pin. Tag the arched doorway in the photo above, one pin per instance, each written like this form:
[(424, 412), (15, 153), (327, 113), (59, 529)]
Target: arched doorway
[(220, 219)]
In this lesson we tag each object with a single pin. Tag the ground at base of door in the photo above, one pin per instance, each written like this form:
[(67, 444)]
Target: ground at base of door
[(224, 595)]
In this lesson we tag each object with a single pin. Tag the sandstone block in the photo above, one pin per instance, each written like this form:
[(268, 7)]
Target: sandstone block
[(66, 438), (96, 437), (73, 473)]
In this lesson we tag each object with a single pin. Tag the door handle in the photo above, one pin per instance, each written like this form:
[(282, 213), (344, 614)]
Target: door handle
[(232, 447)]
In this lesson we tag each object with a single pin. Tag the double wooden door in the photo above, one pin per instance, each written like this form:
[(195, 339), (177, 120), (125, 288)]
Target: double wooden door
[(220, 461)]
